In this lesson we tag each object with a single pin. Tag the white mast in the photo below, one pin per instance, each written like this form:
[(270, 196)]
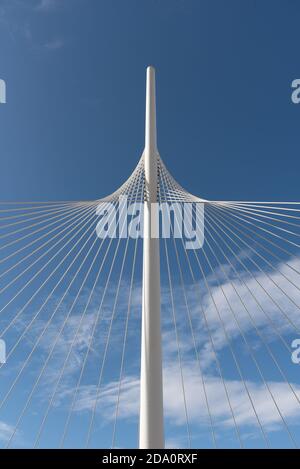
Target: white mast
[(151, 397)]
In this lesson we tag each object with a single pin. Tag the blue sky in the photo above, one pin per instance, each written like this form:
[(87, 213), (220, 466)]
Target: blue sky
[(75, 74), (73, 129)]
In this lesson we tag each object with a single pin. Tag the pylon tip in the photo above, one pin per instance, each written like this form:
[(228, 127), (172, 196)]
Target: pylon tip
[(150, 68)]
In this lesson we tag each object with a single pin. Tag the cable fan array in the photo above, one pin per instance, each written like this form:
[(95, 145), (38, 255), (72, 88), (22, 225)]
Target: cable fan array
[(70, 311)]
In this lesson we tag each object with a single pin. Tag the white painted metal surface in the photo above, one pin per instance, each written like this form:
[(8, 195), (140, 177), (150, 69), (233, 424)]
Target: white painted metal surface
[(151, 397)]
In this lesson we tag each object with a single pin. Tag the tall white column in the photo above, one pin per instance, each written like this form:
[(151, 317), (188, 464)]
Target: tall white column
[(151, 397)]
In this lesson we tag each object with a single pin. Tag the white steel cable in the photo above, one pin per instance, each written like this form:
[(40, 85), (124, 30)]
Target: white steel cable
[(91, 425), (263, 272), (140, 180), (39, 214), (74, 221), (41, 269), (53, 290), (211, 423), (124, 346), (179, 355), (248, 312), (61, 373), (17, 251)]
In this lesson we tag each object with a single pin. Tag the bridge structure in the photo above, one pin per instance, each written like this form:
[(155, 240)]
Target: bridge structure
[(74, 303)]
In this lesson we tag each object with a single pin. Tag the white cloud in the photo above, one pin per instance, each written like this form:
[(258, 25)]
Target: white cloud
[(241, 319), (197, 410), (6, 431), (174, 408)]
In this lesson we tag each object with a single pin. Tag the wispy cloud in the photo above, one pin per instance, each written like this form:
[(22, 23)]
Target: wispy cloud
[(174, 409), (19, 20), (197, 411), (46, 5), (5, 431)]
